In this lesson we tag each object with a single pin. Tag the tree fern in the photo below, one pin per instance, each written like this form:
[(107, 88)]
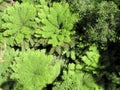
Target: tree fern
[(34, 69), (18, 22), (57, 23), (91, 58)]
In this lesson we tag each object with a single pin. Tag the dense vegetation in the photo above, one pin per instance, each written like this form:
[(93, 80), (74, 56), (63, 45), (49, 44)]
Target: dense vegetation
[(59, 44)]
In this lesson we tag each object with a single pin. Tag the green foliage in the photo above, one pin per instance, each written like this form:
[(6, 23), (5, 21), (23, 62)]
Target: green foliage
[(98, 21), (18, 23), (117, 2), (75, 79), (1, 1), (57, 23), (3, 74), (1, 23), (33, 1), (35, 69), (5, 71), (104, 30), (65, 50), (81, 6), (40, 34), (30, 1), (91, 58)]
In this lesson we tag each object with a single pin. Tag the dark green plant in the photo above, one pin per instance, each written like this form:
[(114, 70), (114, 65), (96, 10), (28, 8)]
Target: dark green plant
[(117, 2), (81, 6), (98, 20), (105, 28)]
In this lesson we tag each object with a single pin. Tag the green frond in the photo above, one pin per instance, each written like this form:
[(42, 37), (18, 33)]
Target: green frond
[(35, 69), (74, 79), (91, 58), (18, 22), (57, 22), (5, 71)]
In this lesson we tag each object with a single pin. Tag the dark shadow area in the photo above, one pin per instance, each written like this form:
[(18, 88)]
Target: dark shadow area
[(8, 85), (109, 76)]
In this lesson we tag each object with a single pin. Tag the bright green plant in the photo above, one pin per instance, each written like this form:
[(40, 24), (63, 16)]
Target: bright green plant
[(5, 63), (65, 50), (56, 23), (1, 22), (1, 1), (75, 79), (91, 58), (51, 25), (34, 69), (18, 23)]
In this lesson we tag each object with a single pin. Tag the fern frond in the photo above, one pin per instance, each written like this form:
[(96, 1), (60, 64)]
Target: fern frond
[(57, 23), (35, 69), (91, 58), (18, 22)]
